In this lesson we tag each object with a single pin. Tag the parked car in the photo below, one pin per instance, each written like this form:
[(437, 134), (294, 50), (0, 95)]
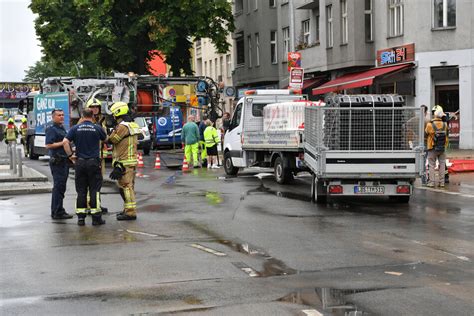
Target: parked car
[(145, 142)]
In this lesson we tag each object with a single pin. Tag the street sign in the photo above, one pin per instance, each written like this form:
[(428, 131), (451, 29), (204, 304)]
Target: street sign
[(296, 78), (294, 60), (172, 92), (229, 91)]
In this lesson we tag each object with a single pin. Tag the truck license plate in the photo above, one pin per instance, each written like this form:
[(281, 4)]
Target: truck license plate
[(163, 139), (368, 190)]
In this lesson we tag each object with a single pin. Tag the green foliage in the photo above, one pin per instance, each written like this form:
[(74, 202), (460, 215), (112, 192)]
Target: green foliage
[(121, 35)]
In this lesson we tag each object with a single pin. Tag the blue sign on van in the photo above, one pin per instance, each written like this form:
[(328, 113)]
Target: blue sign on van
[(44, 104), (168, 125)]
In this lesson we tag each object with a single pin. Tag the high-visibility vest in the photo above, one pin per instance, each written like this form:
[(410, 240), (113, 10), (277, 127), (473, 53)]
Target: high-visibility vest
[(11, 132), (24, 130), (210, 136)]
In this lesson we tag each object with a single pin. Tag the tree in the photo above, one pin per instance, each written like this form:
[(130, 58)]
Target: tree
[(121, 35)]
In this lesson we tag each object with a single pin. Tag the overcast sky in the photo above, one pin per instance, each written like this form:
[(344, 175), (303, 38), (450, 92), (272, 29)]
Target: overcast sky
[(19, 47)]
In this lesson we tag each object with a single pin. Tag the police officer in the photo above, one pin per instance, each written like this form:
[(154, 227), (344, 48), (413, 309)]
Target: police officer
[(124, 138), (87, 137), (96, 107), (58, 163), (24, 134)]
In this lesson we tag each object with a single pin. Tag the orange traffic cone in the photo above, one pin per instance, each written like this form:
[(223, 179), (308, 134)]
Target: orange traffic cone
[(140, 161), (185, 167), (157, 162)]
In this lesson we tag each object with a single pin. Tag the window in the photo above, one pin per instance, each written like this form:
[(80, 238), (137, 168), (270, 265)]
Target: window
[(211, 69), (273, 47), (240, 49), (239, 6), (256, 5), (316, 28), (369, 31), (249, 47), (248, 6), (272, 3), (216, 69), (284, 2), (221, 68), (229, 65), (236, 117), (344, 24), (205, 68), (395, 17), (329, 27), (257, 49), (305, 31), (444, 13), (286, 39)]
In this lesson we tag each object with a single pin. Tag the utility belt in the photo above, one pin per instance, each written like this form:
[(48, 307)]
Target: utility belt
[(57, 160)]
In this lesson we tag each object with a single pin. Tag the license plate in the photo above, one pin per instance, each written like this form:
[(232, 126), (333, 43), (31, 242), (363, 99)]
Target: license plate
[(369, 190), (163, 140)]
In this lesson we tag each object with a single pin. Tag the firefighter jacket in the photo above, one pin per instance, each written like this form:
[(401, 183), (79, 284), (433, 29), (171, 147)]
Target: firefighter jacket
[(11, 132), (125, 139), (24, 130), (100, 121), (430, 132)]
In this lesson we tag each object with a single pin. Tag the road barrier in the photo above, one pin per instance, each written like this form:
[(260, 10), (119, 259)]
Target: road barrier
[(157, 161), (461, 165)]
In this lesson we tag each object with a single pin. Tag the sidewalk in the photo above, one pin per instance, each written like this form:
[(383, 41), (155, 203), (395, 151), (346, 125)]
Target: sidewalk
[(11, 184)]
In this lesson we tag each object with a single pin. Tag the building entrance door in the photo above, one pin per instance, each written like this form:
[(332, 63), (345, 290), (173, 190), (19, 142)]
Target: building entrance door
[(448, 98)]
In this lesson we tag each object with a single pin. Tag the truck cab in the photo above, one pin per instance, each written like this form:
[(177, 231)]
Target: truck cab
[(247, 121)]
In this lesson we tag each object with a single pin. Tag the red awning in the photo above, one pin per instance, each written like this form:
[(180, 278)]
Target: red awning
[(356, 80)]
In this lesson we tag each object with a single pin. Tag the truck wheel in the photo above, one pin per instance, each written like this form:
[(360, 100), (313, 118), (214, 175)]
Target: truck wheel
[(321, 194), (228, 166), (400, 199), (31, 146), (282, 174)]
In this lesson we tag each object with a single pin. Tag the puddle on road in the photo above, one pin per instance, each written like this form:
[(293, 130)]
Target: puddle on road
[(9, 218), (212, 197), (262, 189), (327, 300)]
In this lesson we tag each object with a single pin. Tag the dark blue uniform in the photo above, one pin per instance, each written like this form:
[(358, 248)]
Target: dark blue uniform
[(59, 168), (87, 136)]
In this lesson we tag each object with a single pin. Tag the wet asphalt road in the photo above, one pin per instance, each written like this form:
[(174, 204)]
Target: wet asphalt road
[(211, 245)]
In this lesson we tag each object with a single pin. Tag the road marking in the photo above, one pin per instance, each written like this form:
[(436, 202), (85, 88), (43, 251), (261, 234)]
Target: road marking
[(463, 258), (246, 269), (141, 233), (209, 250), (311, 312), (445, 192), (393, 273)]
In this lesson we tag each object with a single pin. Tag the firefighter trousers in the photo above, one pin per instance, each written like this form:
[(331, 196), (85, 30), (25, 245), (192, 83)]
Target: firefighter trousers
[(127, 191), (88, 180)]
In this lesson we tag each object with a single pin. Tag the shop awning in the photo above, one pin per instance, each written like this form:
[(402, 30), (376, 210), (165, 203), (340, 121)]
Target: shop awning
[(356, 80)]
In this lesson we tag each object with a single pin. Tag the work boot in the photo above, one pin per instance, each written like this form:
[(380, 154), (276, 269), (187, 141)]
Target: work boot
[(104, 210), (81, 220), (97, 220), (125, 217)]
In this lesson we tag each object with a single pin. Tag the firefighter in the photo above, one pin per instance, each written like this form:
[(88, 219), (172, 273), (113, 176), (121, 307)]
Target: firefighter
[(445, 119), (24, 134), (96, 107), (124, 137), (87, 137), (11, 134)]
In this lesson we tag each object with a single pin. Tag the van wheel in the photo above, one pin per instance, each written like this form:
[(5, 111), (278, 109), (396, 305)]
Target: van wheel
[(228, 166), (31, 146), (282, 174)]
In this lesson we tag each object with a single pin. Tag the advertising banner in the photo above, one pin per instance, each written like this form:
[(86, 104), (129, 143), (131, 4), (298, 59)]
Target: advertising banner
[(44, 104), (296, 78), (16, 90), (294, 60)]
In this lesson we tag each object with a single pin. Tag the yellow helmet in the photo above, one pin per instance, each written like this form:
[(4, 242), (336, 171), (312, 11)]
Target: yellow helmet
[(11, 121), (24, 120), (437, 108), (119, 108), (93, 102)]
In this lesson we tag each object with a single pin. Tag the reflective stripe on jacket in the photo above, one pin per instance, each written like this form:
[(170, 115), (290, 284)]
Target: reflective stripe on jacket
[(11, 132), (125, 139)]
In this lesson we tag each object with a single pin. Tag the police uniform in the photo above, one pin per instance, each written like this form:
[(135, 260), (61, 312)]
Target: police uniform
[(87, 137), (59, 168), (124, 139)]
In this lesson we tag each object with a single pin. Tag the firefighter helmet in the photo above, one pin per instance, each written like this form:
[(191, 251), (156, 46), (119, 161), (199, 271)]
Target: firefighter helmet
[(436, 108), (24, 120), (119, 108), (93, 102), (11, 121)]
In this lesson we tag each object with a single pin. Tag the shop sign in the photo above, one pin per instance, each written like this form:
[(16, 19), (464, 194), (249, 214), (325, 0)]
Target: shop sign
[(296, 78), (396, 55), (294, 60)]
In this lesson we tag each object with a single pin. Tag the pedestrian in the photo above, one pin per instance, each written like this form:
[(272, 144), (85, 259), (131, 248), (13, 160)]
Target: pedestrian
[(212, 139), (445, 118), (437, 140), (11, 134), (202, 143), (24, 134), (226, 121), (58, 163), (87, 136), (124, 138), (96, 107), (190, 139)]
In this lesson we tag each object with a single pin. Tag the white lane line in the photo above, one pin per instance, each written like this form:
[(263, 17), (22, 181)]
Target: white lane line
[(463, 258), (209, 250), (251, 272), (311, 312), (445, 192), (140, 233)]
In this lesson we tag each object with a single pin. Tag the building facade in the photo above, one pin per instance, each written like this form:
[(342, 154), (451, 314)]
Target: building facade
[(421, 49)]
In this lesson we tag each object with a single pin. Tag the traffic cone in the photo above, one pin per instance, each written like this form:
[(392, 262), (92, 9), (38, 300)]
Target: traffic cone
[(185, 167), (157, 162), (140, 161)]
